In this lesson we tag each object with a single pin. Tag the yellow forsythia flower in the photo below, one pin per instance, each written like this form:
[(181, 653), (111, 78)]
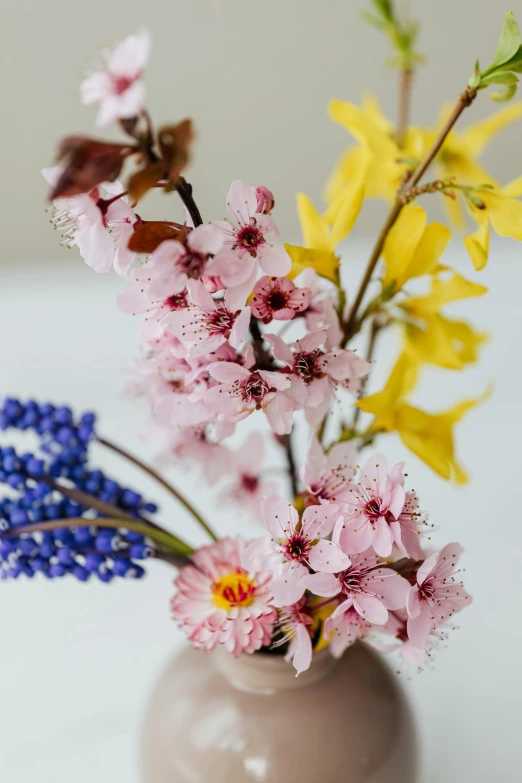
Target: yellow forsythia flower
[(499, 207), (433, 338), (412, 247), (428, 435)]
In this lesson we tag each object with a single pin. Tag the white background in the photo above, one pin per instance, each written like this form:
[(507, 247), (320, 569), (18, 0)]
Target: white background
[(77, 662)]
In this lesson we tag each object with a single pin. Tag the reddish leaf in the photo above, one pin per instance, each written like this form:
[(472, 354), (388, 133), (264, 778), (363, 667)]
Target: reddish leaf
[(87, 164), (148, 235), (145, 179), (175, 142)]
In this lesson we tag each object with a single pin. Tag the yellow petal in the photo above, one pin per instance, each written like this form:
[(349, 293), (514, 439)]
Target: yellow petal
[(314, 227), (443, 342), (401, 242), (477, 244), (505, 214), (478, 135), (428, 251), (442, 292), (325, 262), (513, 188), (342, 174), (371, 107), (401, 382), (363, 128), (351, 202)]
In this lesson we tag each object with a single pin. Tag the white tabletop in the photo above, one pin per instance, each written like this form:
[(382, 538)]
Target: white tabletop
[(77, 661)]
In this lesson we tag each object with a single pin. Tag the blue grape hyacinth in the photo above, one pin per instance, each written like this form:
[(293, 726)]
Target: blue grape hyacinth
[(36, 485)]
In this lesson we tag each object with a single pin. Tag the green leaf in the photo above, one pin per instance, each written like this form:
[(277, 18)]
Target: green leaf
[(515, 64), (508, 44), (499, 77), (375, 21), (385, 9), (502, 96), (474, 81)]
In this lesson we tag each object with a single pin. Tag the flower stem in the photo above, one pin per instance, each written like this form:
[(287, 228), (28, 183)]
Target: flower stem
[(164, 483), (465, 99), (405, 83), (292, 468), (173, 546), (185, 193), (374, 331)]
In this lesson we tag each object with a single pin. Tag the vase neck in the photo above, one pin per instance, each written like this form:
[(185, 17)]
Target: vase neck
[(267, 674)]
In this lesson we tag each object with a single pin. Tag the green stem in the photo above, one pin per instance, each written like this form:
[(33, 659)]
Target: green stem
[(164, 483), (172, 545)]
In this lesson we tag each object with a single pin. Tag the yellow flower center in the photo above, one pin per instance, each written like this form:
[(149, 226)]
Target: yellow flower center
[(234, 589)]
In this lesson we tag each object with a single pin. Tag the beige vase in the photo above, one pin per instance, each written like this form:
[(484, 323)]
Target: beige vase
[(217, 719)]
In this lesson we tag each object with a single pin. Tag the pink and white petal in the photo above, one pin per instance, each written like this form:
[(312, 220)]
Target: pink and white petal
[(407, 541), (133, 300), (324, 584), (238, 295), (228, 372), (279, 516), (124, 258), (419, 628), (302, 651), (412, 654), (370, 608), (279, 411), (393, 588), (398, 497), (311, 341), (241, 202), (426, 569), (413, 604), (319, 521), (281, 351), (355, 537), (288, 589), (327, 556), (315, 464), (260, 555), (274, 260), (181, 411), (397, 473), (240, 328), (205, 239), (96, 247), (342, 608), (205, 346), (382, 538), (337, 364), (374, 474), (221, 401), (276, 380)]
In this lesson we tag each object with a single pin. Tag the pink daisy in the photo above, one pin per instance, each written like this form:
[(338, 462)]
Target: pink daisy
[(246, 241), (296, 546), (436, 596), (366, 585), (118, 88), (206, 323), (378, 513), (219, 602), (240, 392), (277, 298)]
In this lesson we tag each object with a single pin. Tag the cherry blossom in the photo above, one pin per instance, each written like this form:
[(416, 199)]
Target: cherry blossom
[(317, 373), (294, 625), (365, 584), (322, 310), (436, 595), (240, 392), (219, 602), (248, 487), (378, 513), (176, 262), (344, 629), (265, 199), (278, 299), (327, 477), (206, 323), (246, 241), (118, 88), (295, 547)]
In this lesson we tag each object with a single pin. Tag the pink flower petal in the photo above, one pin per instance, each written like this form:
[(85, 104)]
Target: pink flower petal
[(370, 608), (382, 539), (241, 202), (228, 372), (279, 516), (326, 556), (324, 584), (274, 260), (281, 350)]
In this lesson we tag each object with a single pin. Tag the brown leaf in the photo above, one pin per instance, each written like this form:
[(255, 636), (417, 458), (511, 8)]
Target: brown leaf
[(145, 179), (148, 235), (175, 142), (88, 163)]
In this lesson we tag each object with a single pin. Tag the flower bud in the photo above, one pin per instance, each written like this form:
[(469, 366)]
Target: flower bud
[(265, 199)]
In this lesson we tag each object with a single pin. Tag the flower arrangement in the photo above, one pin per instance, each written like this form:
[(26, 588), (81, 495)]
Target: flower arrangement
[(235, 324)]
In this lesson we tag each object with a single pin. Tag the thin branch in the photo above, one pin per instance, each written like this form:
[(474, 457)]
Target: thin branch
[(292, 468), (164, 483), (185, 193), (374, 331), (465, 100), (405, 84)]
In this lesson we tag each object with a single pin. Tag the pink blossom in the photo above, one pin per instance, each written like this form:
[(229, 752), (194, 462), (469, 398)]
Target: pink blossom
[(366, 585), (138, 299), (277, 298), (322, 310), (327, 477), (248, 487), (295, 628), (317, 373), (265, 199), (246, 241), (219, 602), (345, 629), (101, 228), (295, 547), (118, 88), (436, 596), (206, 323), (378, 513), (176, 263), (241, 391)]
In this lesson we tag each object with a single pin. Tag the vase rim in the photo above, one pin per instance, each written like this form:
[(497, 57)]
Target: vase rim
[(266, 673)]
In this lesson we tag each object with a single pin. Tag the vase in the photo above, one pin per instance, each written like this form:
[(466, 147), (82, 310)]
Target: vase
[(218, 719)]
